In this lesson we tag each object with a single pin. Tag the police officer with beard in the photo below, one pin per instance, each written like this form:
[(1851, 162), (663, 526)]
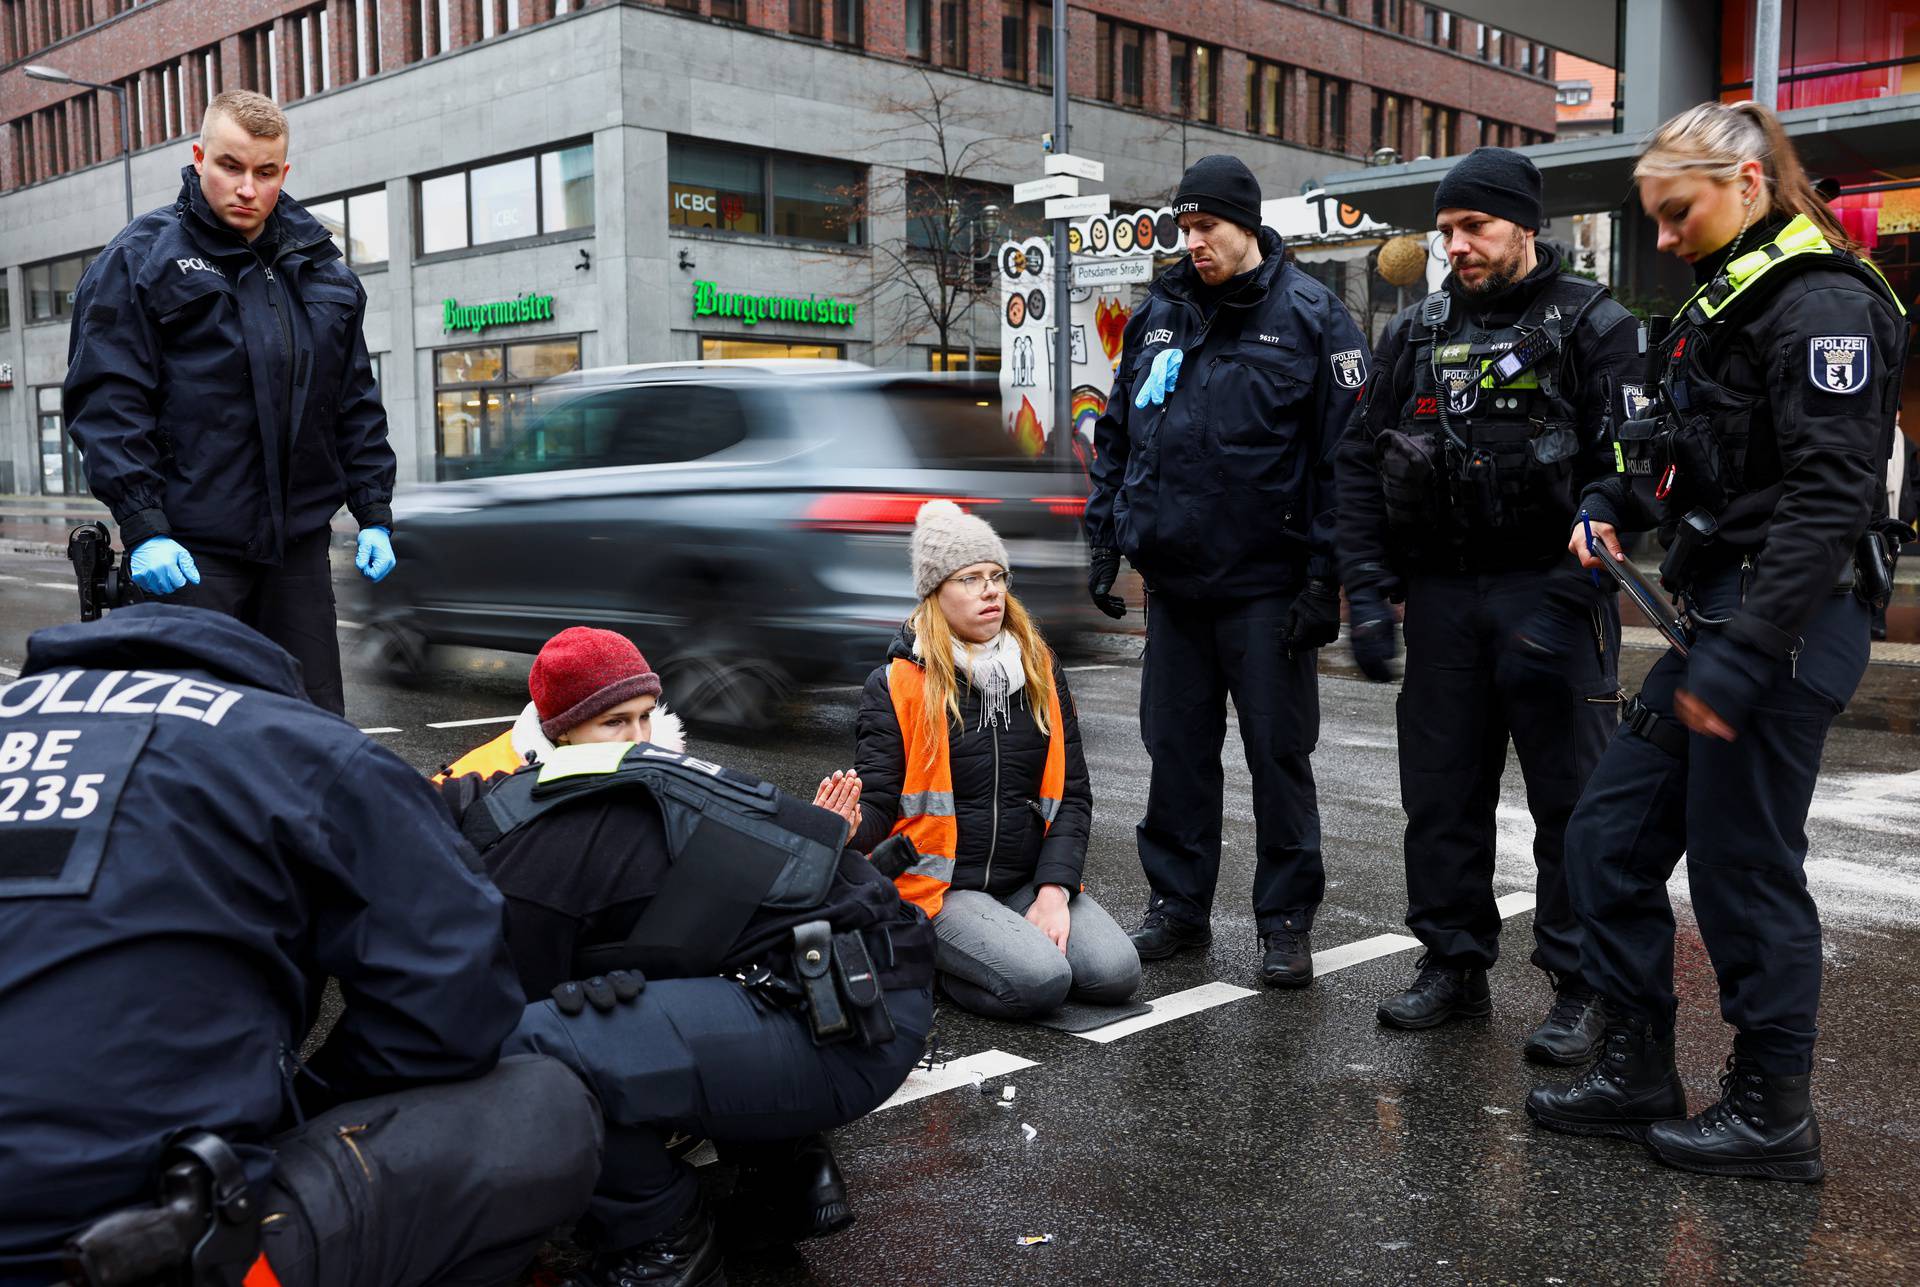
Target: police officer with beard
[(1221, 495), (1489, 408)]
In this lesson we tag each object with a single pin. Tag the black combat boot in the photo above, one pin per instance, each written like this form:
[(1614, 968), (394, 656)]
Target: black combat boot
[(1631, 1085), (796, 1187), (687, 1255), (1570, 1035), (1287, 960), (1161, 935), (1439, 993), (1762, 1126)]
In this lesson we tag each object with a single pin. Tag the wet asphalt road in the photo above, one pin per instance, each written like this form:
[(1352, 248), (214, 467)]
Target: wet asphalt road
[(1286, 1138)]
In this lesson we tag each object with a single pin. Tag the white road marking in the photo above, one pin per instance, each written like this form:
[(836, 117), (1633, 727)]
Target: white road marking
[(349, 625), (8, 670), (54, 585), (5, 576), (1367, 949), (1168, 1008), (469, 723), (1513, 904), (1097, 666), (379, 730), (954, 1074)]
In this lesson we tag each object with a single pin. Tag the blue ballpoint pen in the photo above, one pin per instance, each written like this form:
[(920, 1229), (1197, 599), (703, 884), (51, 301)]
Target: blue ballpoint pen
[(1588, 524)]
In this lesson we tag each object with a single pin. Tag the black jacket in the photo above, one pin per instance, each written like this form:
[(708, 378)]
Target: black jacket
[(248, 846), (221, 396), (1815, 466), (581, 876), (1601, 369), (1226, 491), (1003, 843)]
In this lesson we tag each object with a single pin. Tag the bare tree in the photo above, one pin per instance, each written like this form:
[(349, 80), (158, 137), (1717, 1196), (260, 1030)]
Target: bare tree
[(929, 278)]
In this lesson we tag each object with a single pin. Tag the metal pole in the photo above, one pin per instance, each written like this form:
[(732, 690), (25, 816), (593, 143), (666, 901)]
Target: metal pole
[(1062, 441), (119, 93), (1766, 53)]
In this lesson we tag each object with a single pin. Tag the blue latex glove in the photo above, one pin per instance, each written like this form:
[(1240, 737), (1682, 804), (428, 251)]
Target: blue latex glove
[(374, 557), (161, 565), (1161, 377)]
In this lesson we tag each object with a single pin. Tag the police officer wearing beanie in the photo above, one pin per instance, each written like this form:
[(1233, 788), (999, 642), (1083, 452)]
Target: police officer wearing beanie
[(1213, 475), (219, 387), (1491, 405)]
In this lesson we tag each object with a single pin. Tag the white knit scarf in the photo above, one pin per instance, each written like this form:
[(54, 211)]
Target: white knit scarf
[(995, 669)]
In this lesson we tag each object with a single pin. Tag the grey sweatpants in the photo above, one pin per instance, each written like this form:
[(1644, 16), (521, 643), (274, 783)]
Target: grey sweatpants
[(992, 961)]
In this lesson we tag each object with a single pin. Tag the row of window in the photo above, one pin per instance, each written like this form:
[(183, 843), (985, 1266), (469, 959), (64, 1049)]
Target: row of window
[(27, 25)]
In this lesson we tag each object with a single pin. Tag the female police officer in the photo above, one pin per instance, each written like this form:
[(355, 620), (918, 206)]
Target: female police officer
[(1776, 389)]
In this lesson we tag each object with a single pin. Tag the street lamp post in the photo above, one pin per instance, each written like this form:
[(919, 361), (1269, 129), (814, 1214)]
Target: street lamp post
[(53, 75), (984, 226)]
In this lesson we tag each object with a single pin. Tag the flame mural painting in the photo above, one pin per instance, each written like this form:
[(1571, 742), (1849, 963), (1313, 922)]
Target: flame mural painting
[(1028, 316)]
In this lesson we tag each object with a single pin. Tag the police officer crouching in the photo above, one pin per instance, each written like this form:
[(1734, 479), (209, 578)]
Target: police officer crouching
[(1213, 475), (748, 979), (1489, 407), (1762, 464), (188, 850)]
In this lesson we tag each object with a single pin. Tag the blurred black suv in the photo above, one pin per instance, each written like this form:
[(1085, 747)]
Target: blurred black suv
[(745, 524)]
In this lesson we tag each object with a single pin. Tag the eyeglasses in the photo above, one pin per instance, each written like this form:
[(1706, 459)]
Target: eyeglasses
[(974, 583)]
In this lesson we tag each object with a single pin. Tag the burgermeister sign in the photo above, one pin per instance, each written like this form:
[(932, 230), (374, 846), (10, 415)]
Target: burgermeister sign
[(455, 316), (710, 301)]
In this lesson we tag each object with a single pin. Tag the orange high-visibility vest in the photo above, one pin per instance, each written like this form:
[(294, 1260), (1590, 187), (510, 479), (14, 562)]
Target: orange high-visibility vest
[(497, 756), (926, 795)]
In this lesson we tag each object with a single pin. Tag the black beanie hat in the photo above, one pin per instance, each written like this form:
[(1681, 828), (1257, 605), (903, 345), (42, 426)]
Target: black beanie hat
[(1496, 181), (1220, 185)]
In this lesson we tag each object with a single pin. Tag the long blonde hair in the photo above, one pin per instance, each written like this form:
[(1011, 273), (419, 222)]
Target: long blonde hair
[(942, 706), (1715, 139)]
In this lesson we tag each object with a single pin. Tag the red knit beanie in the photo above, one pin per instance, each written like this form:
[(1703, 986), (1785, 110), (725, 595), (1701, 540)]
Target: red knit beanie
[(582, 672)]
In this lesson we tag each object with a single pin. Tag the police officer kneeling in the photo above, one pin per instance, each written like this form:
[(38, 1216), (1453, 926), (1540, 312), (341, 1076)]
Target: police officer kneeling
[(1489, 408), (747, 978), (188, 849)]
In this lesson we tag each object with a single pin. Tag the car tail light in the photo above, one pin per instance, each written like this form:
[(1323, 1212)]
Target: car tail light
[(1063, 506), (875, 511)]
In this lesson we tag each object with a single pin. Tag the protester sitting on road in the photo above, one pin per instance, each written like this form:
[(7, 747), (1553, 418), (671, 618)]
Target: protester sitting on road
[(694, 1053), (189, 848), (968, 742)]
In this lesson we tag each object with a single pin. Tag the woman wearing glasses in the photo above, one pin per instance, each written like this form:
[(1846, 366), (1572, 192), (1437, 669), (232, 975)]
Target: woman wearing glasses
[(967, 742)]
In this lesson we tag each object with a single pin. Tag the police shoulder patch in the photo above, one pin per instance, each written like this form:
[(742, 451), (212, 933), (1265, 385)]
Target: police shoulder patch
[(1837, 363), (1349, 368)]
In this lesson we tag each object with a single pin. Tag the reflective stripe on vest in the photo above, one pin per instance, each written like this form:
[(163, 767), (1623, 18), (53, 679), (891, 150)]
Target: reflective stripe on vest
[(1800, 237), (926, 797)]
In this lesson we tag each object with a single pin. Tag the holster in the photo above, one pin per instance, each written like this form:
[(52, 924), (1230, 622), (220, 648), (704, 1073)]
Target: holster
[(813, 962), (1691, 536), (1875, 557), (843, 997), (1648, 724)]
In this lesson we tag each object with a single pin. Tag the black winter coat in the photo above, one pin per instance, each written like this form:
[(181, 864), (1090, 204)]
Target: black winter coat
[(223, 848), (996, 780), (1226, 491), (220, 400)]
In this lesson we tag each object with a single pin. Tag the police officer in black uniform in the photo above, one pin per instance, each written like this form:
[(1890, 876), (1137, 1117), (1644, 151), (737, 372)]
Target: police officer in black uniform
[(1213, 475), (1763, 464), (747, 980), (219, 387), (188, 850), (1489, 408)]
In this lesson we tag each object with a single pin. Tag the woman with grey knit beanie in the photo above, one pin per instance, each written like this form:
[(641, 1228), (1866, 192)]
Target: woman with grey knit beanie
[(968, 743)]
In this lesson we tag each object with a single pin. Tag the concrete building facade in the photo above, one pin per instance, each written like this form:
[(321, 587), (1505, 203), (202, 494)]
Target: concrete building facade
[(631, 182)]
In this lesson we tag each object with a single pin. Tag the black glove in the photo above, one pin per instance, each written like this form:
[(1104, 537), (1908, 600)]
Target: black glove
[(1103, 568), (1371, 633), (1314, 619), (618, 987)]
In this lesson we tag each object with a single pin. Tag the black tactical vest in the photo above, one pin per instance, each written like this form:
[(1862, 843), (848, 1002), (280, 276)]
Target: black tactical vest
[(736, 847), (1476, 451), (1694, 447)]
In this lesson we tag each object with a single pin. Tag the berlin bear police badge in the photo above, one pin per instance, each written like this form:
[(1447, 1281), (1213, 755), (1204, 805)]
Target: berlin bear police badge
[(1837, 363), (1348, 369)]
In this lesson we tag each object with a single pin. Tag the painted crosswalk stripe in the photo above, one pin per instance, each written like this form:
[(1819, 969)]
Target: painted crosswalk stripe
[(1097, 666), (1367, 949), (5, 670), (469, 723), (954, 1074), (379, 730), (1168, 1008)]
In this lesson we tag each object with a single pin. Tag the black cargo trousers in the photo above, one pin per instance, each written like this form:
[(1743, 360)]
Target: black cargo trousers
[(450, 1185), (291, 604)]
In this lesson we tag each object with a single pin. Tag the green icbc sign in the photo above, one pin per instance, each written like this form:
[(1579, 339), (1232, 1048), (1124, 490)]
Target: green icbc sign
[(455, 316), (710, 301)]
